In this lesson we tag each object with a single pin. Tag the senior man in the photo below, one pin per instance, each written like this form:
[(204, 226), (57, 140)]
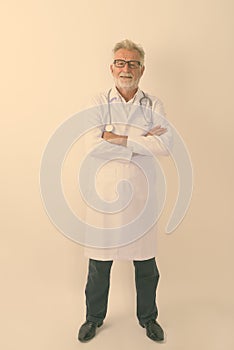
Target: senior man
[(153, 139)]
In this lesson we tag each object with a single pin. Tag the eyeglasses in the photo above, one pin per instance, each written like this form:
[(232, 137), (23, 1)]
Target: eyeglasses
[(131, 64)]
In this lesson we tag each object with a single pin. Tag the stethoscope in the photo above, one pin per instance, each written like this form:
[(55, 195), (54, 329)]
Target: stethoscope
[(110, 127)]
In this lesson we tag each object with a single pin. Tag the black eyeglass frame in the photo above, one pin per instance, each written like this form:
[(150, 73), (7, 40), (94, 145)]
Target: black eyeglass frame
[(127, 62)]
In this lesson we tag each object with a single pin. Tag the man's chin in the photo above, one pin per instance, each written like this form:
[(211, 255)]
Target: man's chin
[(126, 86)]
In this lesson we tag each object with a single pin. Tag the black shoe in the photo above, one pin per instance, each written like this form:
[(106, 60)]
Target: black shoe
[(153, 330), (88, 330)]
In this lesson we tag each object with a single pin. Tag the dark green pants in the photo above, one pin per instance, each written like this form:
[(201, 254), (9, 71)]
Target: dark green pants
[(97, 289)]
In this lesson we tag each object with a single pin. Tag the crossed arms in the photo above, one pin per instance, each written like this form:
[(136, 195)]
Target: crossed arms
[(122, 140)]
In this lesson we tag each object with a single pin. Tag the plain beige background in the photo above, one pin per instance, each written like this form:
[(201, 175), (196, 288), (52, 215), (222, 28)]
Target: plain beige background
[(55, 55)]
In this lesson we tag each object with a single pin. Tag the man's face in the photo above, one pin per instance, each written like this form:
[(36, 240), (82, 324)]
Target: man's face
[(127, 77)]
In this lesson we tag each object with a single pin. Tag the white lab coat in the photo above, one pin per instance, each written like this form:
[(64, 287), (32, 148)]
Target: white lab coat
[(145, 247)]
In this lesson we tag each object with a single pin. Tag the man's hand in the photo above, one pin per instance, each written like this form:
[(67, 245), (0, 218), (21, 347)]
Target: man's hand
[(114, 138), (157, 130)]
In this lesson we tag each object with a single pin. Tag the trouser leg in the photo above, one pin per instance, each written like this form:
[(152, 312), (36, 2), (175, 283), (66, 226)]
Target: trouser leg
[(146, 278), (97, 290)]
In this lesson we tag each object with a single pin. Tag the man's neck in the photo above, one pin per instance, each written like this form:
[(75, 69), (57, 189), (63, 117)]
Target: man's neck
[(127, 94)]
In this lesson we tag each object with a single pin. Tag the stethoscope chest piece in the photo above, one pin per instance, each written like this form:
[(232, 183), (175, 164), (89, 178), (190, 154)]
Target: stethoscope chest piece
[(109, 128)]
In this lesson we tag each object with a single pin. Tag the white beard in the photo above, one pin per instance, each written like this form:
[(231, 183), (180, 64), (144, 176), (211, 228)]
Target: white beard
[(131, 84)]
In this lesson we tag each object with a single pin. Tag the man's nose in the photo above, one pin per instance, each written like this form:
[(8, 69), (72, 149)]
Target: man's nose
[(126, 68)]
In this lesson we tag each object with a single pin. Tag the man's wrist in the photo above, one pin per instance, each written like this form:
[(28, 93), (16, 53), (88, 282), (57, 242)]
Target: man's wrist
[(112, 137)]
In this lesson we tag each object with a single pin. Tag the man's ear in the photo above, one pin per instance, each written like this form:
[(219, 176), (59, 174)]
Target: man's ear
[(111, 68), (142, 70)]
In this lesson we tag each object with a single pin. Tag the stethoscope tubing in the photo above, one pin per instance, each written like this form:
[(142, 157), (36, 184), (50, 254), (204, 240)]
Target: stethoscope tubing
[(109, 127)]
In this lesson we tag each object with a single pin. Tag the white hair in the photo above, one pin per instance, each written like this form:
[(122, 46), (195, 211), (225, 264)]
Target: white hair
[(131, 46)]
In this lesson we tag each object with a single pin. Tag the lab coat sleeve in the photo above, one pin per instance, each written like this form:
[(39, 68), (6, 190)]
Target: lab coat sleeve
[(150, 145), (96, 146), (99, 148), (153, 145)]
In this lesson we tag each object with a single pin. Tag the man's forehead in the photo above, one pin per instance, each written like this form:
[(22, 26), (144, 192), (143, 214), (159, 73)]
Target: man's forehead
[(127, 54)]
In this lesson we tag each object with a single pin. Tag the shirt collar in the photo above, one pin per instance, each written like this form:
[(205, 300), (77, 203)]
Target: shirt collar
[(115, 96)]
